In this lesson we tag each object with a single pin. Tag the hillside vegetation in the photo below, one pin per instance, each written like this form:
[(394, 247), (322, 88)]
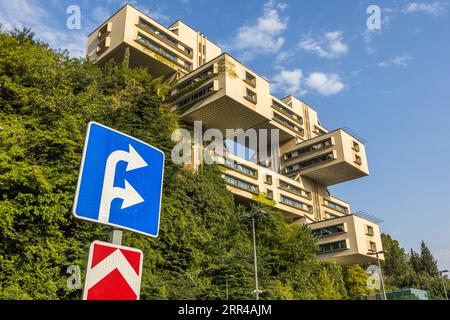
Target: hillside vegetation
[(46, 102)]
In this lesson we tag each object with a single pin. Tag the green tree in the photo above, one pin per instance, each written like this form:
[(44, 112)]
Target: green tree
[(355, 278), (428, 262), (397, 270)]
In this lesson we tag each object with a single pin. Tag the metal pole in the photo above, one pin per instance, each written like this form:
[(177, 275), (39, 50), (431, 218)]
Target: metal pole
[(254, 259), (115, 236), (381, 275), (443, 285)]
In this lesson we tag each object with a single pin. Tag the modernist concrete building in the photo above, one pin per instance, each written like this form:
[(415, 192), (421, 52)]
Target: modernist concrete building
[(215, 88), (177, 49)]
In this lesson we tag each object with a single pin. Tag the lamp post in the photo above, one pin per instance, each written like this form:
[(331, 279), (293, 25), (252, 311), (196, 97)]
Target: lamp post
[(253, 217), (377, 254), (441, 274)]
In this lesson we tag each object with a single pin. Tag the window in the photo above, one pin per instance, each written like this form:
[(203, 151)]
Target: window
[(333, 246), (269, 194), (335, 206), (295, 204), (287, 112), (305, 150), (268, 179), (103, 31), (250, 79), (200, 94), (319, 131), (369, 231), (355, 146), (103, 45), (250, 96), (197, 78), (287, 124), (330, 215), (241, 184), (295, 190), (358, 160), (329, 230), (241, 168), (149, 27), (309, 163), (372, 246), (155, 47)]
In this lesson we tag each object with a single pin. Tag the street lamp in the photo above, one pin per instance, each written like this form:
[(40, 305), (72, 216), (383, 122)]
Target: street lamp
[(253, 217), (377, 254), (441, 274)]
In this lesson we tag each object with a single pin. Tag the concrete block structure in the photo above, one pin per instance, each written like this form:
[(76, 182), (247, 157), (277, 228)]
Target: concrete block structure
[(222, 93)]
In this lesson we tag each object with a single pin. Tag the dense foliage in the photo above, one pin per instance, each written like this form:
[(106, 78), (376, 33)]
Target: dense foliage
[(413, 269)]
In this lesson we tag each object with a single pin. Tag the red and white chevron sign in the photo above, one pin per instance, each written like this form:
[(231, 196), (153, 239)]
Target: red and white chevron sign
[(113, 272)]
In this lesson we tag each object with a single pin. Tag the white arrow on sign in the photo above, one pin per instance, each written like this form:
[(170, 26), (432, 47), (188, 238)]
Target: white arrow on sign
[(129, 195)]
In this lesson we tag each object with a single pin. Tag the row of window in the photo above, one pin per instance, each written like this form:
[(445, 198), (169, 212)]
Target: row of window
[(199, 77), (332, 246), (309, 163), (305, 150), (241, 184), (295, 203), (166, 53), (329, 230), (288, 124), (330, 215), (149, 27), (319, 131), (200, 94), (241, 168), (286, 111), (335, 206), (294, 189)]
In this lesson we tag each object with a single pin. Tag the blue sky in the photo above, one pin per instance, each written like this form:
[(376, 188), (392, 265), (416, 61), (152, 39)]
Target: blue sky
[(390, 86)]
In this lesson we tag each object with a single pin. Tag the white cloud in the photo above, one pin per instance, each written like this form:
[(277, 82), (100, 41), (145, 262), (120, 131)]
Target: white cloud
[(325, 84), (330, 45), (402, 60), (264, 36), (29, 14), (435, 8), (288, 82), (292, 82)]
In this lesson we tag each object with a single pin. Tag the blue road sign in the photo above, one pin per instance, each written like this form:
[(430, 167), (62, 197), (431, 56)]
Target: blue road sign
[(120, 181)]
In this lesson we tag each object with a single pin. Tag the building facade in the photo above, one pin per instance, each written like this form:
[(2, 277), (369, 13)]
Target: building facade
[(213, 87)]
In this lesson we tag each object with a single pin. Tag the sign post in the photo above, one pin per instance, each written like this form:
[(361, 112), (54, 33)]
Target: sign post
[(119, 185)]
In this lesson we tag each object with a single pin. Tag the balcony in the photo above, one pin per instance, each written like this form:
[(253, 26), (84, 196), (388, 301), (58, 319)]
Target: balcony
[(241, 100), (345, 240), (246, 180), (330, 158)]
